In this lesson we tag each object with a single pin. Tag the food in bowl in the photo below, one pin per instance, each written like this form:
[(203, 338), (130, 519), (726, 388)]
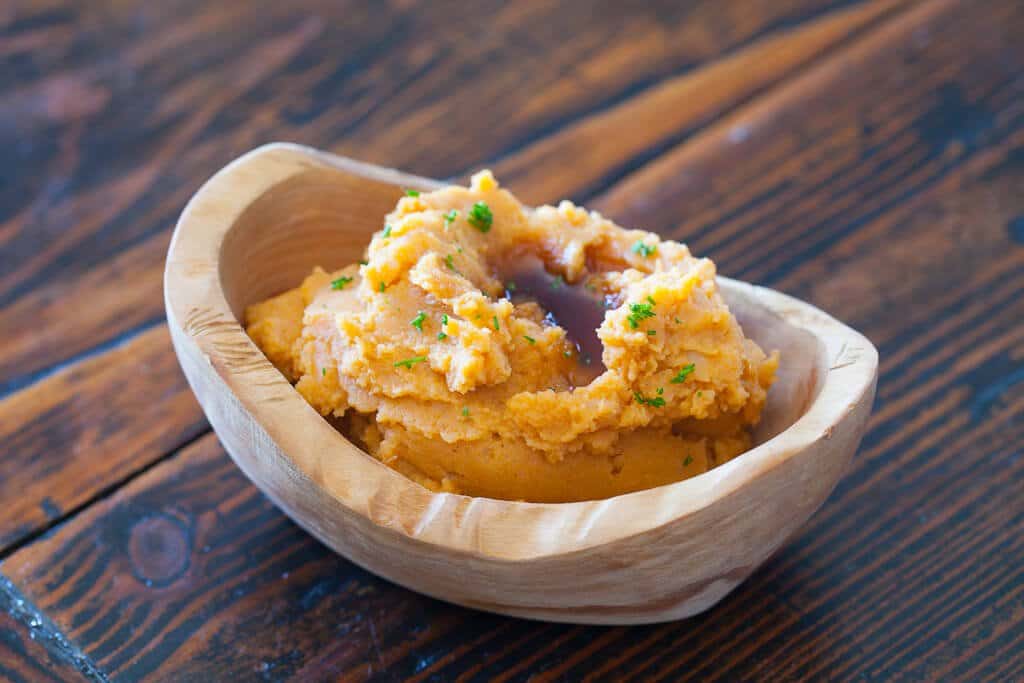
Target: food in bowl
[(541, 354)]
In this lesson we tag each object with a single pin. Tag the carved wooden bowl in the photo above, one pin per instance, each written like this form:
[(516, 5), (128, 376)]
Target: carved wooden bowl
[(261, 224)]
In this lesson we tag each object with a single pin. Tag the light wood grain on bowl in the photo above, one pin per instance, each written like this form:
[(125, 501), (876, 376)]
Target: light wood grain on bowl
[(259, 225)]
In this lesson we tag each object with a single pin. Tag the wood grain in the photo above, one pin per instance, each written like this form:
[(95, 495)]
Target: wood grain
[(128, 132), (86, 427), (885, 185), (189, 604)]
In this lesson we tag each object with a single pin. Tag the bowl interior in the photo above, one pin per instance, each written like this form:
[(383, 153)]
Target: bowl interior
[(315, 218)]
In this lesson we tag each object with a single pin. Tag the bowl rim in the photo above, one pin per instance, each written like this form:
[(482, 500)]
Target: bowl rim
[(197, 306)]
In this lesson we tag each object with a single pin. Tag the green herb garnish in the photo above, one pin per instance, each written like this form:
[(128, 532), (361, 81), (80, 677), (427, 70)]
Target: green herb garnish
[(638, 312), (557, 282), (651, 333), (480, 217), (417, 322), (687, 461), (449, 261), (465, 411), (529, 339), (441, 336), (644, 250), (444, 318), (323, 372), (510, 286), (364, 262), (653, 402), (340, 282), (567, 354), (387, 230), (450, 217), (412, 193), (382, 287), (496, 326), (683, 374), (409, 362)]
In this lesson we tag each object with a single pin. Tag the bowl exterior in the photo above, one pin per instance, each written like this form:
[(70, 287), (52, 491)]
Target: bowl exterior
[(675, 570), (650, 556)]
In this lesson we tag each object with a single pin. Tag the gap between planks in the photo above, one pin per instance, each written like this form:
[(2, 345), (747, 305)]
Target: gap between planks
[(98, 497)]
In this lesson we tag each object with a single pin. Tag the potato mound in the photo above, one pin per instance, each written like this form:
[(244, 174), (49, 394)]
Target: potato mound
[(437, 364)]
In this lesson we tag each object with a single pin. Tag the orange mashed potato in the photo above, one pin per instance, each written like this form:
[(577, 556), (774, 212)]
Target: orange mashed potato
[(429, 356)]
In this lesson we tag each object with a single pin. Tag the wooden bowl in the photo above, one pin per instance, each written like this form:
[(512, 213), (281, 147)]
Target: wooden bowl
[(261, 224)]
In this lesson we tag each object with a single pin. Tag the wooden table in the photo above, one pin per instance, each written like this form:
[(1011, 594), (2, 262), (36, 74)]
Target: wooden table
[(867, 156)]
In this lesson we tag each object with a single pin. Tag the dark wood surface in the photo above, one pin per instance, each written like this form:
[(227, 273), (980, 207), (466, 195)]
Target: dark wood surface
[(866, 156)]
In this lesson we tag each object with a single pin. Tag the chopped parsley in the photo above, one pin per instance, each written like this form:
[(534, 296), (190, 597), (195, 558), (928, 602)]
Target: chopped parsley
[(441, 336), (530, 339), (557, 282), (480, 217), (496, 326), (387, 230), (687, 461), (644, 250), (683, 374), (450, 217), (409, 362), (417, 322), (412, 193), (678, 321), (383, 286), (651, 333), (364, 262), (465, 411), (510, 286), (653, 402), (660, 391), (638, 312), (699, 393), (323, 372), (444, 318), (340, 282), (567, 354)]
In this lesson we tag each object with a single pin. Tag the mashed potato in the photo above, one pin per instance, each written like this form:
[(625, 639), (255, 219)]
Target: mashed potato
[(545, 354)]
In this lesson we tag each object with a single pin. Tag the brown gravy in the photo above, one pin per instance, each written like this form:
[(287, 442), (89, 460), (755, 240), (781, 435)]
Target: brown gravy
[(576, 307)]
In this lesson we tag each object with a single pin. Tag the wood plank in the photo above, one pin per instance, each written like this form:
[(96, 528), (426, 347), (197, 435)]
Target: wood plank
[(156, 584), (605, 144), (84, 217), (71, 436), (31, 650)]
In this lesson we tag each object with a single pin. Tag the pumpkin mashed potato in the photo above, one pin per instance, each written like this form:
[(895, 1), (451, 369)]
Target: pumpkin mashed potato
[(491, 349)]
